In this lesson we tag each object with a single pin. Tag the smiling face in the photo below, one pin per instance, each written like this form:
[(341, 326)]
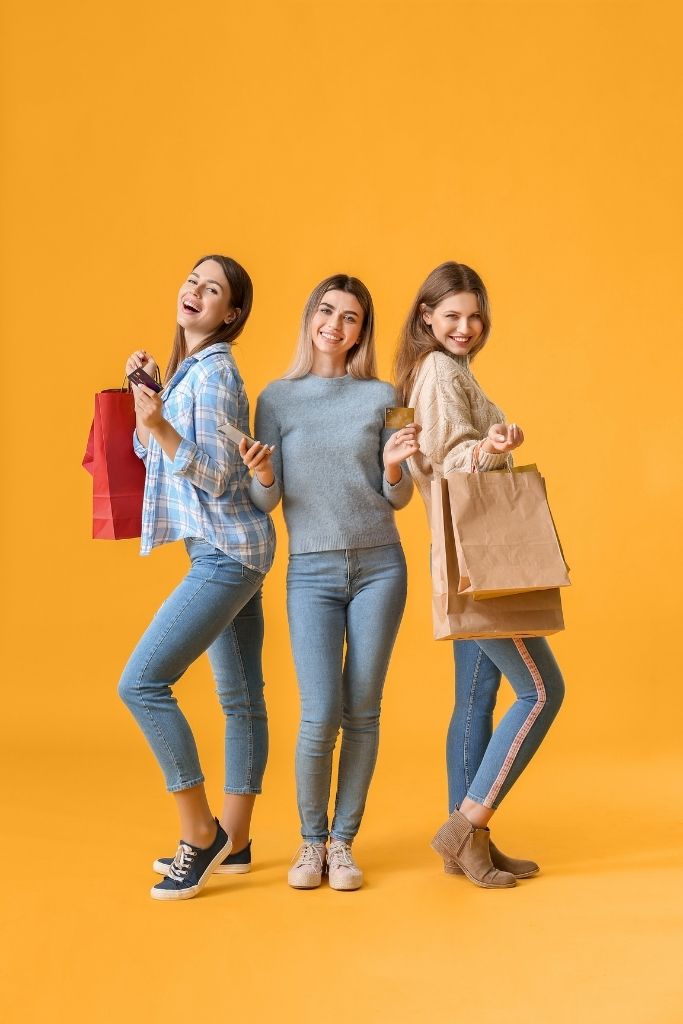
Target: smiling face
[(204, 301), (337, 323), (456, 322)]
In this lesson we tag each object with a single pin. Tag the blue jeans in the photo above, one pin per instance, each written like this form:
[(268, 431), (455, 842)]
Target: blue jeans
[(482, 764), (217, 609), (355, 596)]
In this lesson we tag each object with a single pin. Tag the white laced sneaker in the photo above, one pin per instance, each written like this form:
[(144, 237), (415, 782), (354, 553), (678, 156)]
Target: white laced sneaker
[(308, 866), (342, 869)]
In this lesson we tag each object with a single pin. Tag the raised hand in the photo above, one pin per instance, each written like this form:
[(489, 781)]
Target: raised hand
[(503, 437), (258, 460), (401, 445), (148, 406), (143, 359)]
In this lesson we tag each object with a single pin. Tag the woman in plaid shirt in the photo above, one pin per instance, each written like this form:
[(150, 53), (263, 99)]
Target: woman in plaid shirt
[(197, 490)]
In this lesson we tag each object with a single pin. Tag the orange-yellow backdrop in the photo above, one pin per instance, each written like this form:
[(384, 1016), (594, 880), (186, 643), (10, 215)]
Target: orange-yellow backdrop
[(536, 141)]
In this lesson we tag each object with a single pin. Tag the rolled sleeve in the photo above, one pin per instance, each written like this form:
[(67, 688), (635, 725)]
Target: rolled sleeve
[(210, 460), (138, 447), (186, 454)]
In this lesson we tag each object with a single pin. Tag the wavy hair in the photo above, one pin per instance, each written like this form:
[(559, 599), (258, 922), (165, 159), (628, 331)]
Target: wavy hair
[(417, 338)]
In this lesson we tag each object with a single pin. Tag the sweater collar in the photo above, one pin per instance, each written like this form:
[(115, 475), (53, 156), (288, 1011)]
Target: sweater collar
[(330, 380), (462, 361)]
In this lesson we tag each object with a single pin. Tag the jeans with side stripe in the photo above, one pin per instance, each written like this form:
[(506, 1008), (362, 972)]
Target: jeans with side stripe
[(484, 764)]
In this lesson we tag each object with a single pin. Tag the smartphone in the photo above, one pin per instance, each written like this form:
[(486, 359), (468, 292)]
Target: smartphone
[(139, 376), (235, 435), (396, 417)]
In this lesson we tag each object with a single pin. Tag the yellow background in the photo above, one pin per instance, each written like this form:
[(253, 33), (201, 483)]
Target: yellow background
[(538, 142)]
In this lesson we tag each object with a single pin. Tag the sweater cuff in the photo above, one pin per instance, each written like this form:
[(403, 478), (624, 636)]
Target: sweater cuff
[(491, 460), (398, 494), (265, 498)]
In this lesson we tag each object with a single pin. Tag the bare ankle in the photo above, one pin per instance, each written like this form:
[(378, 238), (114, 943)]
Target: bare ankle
[(477, 814), (238, 839), (202, 835)]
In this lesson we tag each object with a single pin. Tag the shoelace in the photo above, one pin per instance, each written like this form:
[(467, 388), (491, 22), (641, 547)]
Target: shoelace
[(308, 854), (182, 862), (339, 856)]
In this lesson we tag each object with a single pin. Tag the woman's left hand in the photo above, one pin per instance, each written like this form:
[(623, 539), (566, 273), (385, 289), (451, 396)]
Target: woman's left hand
[(148, 406), (401, 445)]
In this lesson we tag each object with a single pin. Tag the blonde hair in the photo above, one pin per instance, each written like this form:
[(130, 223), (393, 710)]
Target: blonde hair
[(417, 339), (360, 360)]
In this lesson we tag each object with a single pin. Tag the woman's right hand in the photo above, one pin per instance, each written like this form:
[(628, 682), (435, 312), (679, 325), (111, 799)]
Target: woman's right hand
[(258, 460), (141, 359), (503, 437)]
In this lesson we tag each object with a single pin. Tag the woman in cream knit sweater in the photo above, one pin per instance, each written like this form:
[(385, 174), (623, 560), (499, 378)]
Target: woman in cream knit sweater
[(446, 328)]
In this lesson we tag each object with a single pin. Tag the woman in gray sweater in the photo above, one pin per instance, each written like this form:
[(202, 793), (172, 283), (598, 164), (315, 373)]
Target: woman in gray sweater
[(323, 448)]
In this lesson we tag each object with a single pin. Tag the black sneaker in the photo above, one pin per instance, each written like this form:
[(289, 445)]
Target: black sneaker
[(191, 868), (234, 864)]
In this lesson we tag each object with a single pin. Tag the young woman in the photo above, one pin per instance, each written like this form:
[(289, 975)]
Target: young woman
[(197, 490), (339, 474), (446, 328)]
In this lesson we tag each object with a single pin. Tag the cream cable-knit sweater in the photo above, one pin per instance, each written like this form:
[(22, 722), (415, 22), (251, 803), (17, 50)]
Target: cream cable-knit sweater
[(455, 415)]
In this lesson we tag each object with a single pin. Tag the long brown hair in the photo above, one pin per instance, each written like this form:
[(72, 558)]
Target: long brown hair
[(417, 339), (360, 360), (241, 297)]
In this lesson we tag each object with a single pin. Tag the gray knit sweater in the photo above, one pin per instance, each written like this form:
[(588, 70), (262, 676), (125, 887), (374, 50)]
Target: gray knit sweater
[(329, 436)]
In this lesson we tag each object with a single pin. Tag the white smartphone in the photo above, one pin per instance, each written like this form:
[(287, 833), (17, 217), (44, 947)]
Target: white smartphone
[(235, 435)]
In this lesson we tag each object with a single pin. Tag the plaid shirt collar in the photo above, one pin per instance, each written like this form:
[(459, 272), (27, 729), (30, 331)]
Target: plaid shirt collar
[(189, 361), (218, 346)]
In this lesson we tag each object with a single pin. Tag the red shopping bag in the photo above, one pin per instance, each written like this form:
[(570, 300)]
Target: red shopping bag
[(118, 474)]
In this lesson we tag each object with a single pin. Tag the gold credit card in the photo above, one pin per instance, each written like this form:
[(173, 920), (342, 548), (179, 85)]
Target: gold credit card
[(396, 417)]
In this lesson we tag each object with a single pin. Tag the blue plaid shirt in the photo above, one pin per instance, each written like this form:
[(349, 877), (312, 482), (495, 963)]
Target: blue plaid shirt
[(204, 491)]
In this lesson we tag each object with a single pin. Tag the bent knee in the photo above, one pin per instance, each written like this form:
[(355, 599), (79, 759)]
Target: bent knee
[(556, 691), (553, 693), (128, 689)]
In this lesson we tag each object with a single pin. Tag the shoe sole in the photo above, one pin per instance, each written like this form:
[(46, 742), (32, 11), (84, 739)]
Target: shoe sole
[(346, 888), (294, 885), (169, 895), (222, 869), (455, 869), (446, 853)]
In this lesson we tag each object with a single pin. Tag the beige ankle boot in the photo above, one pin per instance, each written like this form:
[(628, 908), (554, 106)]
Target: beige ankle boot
[(458, 840), (518, 868)]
